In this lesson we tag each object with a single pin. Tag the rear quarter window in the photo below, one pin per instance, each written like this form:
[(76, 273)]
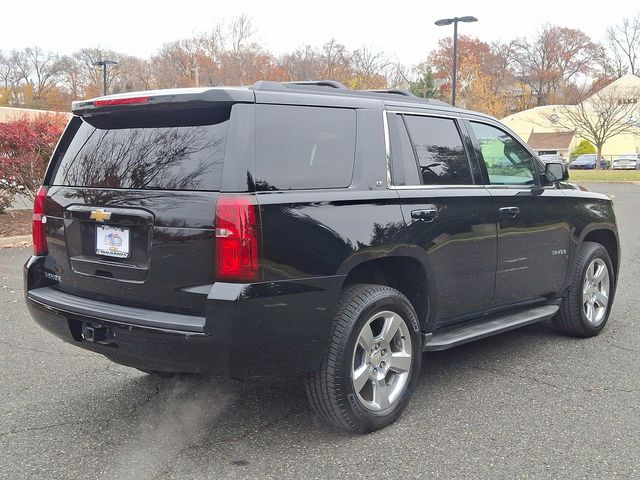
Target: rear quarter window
[(304, 147), (177, 150)]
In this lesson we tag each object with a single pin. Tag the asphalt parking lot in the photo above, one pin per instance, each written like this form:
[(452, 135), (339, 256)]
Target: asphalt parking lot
[(527, 404)]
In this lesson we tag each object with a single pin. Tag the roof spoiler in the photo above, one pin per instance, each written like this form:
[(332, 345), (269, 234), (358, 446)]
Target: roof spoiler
[(177, 96)]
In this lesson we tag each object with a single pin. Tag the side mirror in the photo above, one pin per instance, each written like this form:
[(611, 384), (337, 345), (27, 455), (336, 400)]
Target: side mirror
[(556, 172)]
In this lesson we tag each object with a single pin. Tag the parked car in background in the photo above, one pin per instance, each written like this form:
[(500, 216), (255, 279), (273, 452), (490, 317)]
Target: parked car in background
[(627, 161), (587, 161), (551, 158)]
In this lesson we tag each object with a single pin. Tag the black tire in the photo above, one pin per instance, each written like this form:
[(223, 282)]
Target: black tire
[(330, 389), (571, 318)]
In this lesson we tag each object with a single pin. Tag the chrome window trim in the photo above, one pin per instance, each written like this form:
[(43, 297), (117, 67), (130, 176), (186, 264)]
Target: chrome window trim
[(387, 146), (387, 143), (424, 114), (434, 187)]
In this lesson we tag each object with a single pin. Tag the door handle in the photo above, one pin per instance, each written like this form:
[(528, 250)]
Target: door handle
[(426, 214), (511, 212)]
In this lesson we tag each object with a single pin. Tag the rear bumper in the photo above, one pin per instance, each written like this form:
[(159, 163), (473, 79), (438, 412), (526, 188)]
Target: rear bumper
[(274, 328)]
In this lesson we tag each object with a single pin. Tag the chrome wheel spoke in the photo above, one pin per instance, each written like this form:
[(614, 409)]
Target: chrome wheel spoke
[(381, 394), (390, 328), (400, 362), (602, 299), (600, 272), (589, 310), (585, 293), (360, 377), (366, 337)]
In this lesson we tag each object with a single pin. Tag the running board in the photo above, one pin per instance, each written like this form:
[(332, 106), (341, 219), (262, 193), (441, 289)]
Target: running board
[(467, 332)]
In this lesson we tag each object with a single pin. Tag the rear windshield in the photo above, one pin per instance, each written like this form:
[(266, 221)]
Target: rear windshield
[(168, 150)]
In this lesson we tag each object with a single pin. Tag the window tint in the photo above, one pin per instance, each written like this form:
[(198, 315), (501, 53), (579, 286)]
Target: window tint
[(304, 147), (438, 146), (146, 151), (507, 161)]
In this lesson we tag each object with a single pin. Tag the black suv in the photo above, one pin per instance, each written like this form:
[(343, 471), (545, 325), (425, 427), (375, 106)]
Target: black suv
[(304, 228)]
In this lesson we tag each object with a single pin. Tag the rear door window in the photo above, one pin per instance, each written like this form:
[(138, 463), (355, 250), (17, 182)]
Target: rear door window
[(438, 146), (177, 150), (304, 147)]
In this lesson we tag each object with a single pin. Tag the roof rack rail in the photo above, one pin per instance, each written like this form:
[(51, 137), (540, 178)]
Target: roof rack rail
[(271, 85), (319, 83), (393, 91), (331, 87)]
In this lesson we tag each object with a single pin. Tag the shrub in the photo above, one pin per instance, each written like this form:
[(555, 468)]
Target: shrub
[(25, 148), (585, 146)]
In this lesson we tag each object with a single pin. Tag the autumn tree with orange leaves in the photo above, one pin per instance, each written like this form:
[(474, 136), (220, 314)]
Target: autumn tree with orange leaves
[(483, 74)]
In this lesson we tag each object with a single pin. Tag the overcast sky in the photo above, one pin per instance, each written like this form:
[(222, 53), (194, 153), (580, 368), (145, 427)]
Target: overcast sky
[(404, 30)]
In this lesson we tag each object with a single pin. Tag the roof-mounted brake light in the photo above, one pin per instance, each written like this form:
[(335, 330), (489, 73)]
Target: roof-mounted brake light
[(120, 101)]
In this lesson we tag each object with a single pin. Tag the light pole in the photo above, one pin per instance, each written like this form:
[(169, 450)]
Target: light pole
[(448, 21), (104, 64)]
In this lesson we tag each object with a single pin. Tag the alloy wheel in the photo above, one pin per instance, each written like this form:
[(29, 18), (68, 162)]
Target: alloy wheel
[(595, 292), (382, 361)]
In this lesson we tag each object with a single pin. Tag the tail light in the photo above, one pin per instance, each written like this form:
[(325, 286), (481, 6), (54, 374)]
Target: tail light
[(39, 220), (237, 238)]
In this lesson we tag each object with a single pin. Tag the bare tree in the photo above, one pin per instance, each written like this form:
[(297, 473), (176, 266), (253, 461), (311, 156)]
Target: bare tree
[(46, 68), (554, 57), (335, 61), (21, 65), (244, 60), (624, 44), (72, 76), (7, 71), (302, 64), (401, 76), (369, 68), (241, 35), (9, 77), (175, 63), (601, 117), (135, 74)]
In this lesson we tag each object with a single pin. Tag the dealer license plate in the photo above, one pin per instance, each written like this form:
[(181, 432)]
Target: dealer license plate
[(112, 241)]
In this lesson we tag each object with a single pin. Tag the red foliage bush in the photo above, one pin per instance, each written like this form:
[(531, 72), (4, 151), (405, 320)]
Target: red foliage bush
[(25, 148)]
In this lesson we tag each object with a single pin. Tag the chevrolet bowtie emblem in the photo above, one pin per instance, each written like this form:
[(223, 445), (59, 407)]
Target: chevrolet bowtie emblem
[(100, 215)]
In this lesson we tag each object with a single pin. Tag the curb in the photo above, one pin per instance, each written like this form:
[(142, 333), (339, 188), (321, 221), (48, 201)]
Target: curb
[(19, 241)]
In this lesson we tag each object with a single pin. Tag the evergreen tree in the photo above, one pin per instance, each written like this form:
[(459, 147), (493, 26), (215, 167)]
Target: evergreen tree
[(425, 86)]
